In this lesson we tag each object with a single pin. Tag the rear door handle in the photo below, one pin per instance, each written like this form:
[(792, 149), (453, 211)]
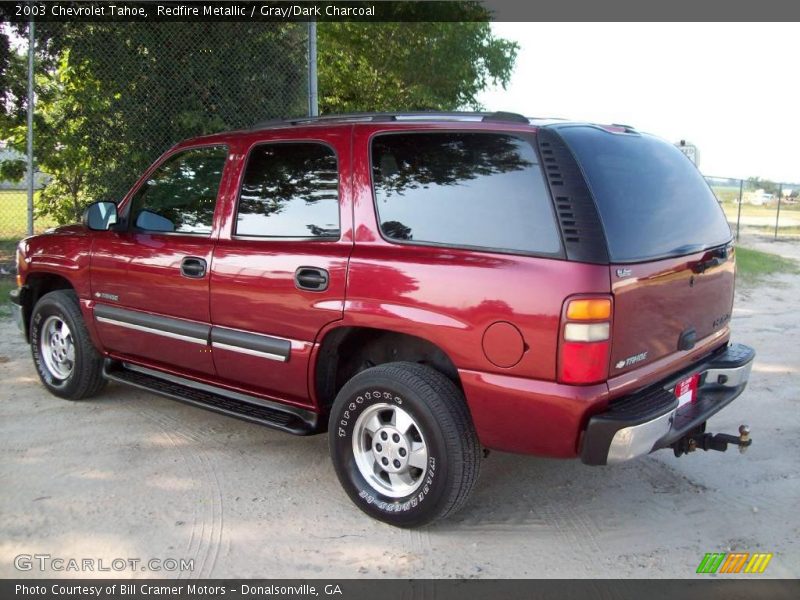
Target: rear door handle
[(193, 267), (312, 279)]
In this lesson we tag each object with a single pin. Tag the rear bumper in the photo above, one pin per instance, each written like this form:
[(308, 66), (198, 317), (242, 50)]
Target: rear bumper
[(650, 420)]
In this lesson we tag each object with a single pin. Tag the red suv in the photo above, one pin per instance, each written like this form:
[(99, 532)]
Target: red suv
[(421, 286)]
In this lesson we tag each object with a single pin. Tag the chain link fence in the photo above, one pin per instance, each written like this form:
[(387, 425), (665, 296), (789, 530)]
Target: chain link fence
[(759, 207), (111, 97)]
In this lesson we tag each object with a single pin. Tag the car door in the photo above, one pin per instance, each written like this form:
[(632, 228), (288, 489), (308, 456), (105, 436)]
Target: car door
[(280, 264), (150, 279)]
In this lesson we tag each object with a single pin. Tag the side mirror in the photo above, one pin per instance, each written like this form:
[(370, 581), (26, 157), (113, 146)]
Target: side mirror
[(100, 216), (150, 221)]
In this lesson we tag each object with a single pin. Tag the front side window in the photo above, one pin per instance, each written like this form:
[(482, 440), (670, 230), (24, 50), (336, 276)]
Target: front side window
[(181, 194), (290, 190)]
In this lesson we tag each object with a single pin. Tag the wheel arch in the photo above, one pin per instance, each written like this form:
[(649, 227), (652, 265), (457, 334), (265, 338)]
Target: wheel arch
[(347, 350), (38, 284)]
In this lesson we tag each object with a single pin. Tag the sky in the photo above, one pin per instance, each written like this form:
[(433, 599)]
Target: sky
[(731, 89)]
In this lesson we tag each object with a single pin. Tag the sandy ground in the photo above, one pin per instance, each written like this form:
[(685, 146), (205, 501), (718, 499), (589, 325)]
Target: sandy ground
[(133, 475)]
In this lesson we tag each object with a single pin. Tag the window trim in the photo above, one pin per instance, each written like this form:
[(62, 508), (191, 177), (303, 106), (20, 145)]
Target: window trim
[(130, 226), (285, 238), (529, 138)]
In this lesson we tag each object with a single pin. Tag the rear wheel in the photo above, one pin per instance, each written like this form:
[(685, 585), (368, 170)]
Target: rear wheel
[(67, 362), (403, 444)]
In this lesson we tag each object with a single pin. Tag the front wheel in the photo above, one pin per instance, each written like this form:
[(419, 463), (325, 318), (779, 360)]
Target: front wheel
[(67, 362), (403, 444)]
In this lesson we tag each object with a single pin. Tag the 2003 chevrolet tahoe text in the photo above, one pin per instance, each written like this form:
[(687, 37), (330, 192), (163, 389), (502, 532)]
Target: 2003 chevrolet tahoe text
[(421, 286)]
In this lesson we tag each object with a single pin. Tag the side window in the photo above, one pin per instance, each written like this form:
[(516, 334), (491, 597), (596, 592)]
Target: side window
[(181, 194), (482, 190), (290, 190)]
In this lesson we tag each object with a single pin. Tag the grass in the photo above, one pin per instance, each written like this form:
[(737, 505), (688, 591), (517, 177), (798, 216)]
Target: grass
[(754, 265), (14, 222), (726, 194), (14, 214), (788, 230), (8, 247), (6, 285), (751, 210)]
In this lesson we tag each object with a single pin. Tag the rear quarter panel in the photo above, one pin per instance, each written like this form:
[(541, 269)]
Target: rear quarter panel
[(451, 296)]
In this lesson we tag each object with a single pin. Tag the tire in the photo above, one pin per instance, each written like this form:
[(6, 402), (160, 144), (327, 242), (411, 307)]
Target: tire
[(68, 364), (391, 478)]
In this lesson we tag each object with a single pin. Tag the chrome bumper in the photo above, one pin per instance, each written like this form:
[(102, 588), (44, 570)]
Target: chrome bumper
[(650, 420)]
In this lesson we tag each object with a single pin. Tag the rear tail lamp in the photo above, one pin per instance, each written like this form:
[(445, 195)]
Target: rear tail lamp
[(585, 344)]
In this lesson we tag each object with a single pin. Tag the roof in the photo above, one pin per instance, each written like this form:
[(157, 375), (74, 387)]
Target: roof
[(428, 117)]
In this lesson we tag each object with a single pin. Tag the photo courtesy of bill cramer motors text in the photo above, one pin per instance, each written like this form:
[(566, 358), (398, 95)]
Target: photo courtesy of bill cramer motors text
[(191, 589)]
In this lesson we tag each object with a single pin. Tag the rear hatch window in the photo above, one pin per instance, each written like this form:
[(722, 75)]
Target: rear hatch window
[(652, 201)]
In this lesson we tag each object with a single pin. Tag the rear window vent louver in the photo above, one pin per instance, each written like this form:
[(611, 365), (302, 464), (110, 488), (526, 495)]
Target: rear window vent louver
[(581, 230)]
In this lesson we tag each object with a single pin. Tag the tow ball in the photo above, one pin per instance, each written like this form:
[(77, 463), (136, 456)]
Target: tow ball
[(710, 441)]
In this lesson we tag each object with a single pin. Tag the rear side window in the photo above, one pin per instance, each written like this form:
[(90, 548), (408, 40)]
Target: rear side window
[(290, 190), (652, 200), (472, 190)]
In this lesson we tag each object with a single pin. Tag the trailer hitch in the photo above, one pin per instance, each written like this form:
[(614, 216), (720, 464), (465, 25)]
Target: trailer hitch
[(710, 441)]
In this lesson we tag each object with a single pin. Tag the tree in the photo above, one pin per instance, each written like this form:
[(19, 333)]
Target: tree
[(409, 66), (756, 183), (111, 97), (13, 104)]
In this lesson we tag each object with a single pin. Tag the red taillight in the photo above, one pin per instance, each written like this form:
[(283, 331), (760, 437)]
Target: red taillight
[(585, 341)]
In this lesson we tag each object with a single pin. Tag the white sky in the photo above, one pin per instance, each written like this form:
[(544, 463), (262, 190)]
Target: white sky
[(732, 89)]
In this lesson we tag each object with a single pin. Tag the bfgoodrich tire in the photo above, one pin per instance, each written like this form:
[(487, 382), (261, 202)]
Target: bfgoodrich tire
[(67, 362), (403, 444)]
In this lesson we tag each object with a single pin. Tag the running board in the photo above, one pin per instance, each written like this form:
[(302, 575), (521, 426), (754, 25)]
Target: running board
[(234, 404)]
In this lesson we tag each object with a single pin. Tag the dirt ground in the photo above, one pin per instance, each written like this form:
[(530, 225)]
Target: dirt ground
[(134, 475)]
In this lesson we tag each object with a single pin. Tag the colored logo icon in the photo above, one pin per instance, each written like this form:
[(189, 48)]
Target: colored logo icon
[(734, 562)]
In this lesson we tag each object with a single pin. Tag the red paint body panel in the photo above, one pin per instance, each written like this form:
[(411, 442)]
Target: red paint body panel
[(662, 299), (252, 280), (515, 414)]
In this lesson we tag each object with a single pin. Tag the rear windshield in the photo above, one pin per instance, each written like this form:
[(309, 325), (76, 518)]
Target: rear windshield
[(652, 200)]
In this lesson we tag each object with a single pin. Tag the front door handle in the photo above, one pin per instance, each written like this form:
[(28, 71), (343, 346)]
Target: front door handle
[(193, 267), (312, 279)]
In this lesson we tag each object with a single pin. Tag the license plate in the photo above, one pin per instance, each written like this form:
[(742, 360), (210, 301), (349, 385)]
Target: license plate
[(686, 390)]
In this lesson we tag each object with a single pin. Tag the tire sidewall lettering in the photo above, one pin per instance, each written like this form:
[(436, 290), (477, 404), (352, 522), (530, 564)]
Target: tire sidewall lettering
[(364, 491), (361, 401)]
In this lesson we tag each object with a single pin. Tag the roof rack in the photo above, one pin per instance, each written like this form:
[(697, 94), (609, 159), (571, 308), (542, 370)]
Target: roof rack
[(493, 117), (627, 128)]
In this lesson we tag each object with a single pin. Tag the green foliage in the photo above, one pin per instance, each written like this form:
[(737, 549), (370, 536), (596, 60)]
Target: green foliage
[(753, 265), (111, 97), (14, 215), (409, 66), (6, 285), (756, 183)]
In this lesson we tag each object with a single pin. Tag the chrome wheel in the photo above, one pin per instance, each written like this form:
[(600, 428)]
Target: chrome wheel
[(390, 451), (57, 347)]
